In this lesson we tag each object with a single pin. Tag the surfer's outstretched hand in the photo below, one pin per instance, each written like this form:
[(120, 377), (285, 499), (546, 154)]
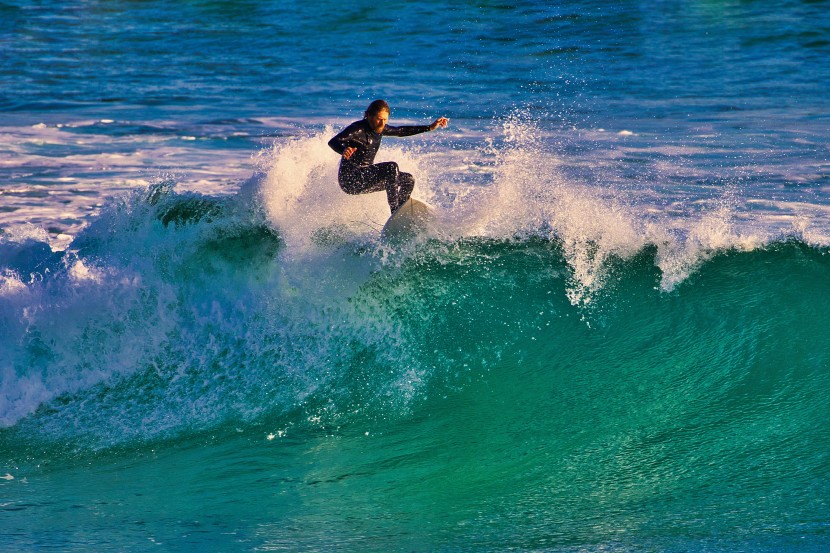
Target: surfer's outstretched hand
[(440, 122)]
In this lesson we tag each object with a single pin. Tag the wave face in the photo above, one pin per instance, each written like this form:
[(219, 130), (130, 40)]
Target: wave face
[(506, 384)]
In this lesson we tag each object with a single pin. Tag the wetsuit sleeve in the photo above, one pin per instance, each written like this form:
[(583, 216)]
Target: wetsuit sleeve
[(408, 130), (346, 138)]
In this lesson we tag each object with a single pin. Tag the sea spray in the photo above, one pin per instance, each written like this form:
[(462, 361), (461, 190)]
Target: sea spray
[(531, 196), (162, 281), (186, 296), (302, 199)]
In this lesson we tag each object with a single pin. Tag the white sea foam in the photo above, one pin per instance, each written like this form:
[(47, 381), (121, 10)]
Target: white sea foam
[(10, 283), (512, 182), (149, 302), (58, 179), (509, 180)]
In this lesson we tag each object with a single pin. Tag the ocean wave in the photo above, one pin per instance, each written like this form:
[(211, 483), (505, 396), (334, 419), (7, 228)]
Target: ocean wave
[(175, 312)]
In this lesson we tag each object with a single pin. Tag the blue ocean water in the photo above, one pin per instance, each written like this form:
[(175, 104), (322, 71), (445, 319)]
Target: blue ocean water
[(617, 340)]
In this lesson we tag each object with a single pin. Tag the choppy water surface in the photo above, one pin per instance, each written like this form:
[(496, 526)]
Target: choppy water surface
[(617, 342)]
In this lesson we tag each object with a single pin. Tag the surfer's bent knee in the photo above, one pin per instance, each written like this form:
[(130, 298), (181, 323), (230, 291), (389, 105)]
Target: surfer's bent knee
[(349, 185), (389, 170)]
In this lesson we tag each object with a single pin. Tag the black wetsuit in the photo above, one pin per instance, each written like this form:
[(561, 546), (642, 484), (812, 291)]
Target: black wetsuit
[(360, 175)]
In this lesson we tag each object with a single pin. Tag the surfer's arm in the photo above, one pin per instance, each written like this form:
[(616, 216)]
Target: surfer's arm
[(409, 130), (440, 122), (406, 130), (346, 140)]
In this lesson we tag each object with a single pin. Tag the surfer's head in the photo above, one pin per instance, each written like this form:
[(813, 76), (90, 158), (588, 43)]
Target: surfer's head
[(377, 114)]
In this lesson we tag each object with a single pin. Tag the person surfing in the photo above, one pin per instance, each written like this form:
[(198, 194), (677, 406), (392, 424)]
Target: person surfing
[(358, 144)]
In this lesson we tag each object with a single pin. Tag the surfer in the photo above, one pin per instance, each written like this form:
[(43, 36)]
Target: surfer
[(358, 144)]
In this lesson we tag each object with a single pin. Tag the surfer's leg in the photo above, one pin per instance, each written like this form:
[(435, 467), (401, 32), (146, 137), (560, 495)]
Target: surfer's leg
[(399, 185), (387, 176), (381, 176), (362, 180), (406, 184)]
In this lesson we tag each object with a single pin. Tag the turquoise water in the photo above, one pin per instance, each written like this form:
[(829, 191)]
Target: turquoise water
[(616, 341)]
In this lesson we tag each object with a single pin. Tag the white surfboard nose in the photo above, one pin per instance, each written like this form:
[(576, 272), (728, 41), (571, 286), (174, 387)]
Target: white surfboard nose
[(414, 218)]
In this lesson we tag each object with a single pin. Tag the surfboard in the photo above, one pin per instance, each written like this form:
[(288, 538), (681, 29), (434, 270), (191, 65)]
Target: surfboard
[(414, 218)]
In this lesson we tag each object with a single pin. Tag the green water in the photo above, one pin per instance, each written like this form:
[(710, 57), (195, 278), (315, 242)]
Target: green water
[(506, 418)]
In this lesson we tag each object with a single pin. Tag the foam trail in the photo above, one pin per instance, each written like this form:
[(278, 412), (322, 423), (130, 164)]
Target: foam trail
[(529, 196)]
